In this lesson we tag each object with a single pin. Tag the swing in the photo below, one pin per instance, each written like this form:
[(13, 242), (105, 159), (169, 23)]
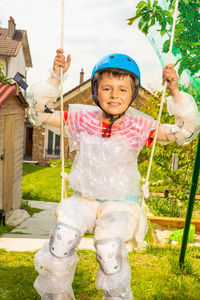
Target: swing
[(64, 176), (145, 187)]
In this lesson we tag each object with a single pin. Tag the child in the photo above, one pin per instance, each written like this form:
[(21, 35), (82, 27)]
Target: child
[(108, 138)]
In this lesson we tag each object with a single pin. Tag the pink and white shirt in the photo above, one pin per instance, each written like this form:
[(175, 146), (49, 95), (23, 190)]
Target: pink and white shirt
[(106, 168)]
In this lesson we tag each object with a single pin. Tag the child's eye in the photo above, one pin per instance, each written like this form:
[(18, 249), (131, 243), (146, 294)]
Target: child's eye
[(123, 90), (106, 89)]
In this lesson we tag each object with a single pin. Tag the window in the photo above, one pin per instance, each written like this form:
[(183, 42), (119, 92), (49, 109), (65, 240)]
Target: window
[(53, 145)]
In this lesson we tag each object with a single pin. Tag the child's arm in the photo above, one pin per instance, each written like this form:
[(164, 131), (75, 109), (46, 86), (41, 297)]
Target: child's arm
[(185, 110), (44, 95)]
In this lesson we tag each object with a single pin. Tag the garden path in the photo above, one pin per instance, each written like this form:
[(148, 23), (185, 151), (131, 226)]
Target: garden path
[(32, 233)]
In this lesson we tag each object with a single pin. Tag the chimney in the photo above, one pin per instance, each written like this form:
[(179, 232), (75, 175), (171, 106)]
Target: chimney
[(81, 76), (11, 28)]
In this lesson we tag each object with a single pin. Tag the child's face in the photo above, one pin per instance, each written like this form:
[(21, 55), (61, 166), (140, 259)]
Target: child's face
[(114, 93)]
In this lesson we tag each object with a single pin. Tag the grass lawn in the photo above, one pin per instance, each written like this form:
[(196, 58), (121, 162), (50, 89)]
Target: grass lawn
[(155, 271), (42, 183), (155, 275)]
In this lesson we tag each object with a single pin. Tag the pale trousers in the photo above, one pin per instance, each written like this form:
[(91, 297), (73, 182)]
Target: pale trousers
[(108, 220)]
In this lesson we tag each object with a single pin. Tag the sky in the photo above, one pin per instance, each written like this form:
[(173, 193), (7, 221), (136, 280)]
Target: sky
[(92, 29)]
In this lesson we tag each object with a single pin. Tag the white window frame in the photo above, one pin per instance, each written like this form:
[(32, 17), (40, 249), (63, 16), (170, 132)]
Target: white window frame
[(46, 155)]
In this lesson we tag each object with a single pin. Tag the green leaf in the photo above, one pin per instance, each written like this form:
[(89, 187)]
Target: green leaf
[(161, 19), (155, 3), (142, 23), (145, 29), (153, 21), (133, 19), (146, 16), (141, 10), (163, 32), (165, 47), (149, 3), (141, 4), (167, 14)]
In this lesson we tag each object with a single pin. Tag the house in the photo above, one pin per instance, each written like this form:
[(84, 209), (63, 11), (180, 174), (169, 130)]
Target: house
[(15, 57), (46, 144), (14, 50), (12, 114)]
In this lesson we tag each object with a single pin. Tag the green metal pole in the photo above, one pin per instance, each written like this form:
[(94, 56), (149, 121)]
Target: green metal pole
[(193, 189)]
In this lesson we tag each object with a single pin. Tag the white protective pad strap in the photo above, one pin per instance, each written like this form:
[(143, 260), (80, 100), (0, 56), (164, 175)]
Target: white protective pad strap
[(41, 95), (109, 255), (64, 240), (32, 111), (180, 135)]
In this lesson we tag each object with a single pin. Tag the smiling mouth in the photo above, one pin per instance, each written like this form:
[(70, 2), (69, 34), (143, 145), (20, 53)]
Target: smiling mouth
[(114, 103)]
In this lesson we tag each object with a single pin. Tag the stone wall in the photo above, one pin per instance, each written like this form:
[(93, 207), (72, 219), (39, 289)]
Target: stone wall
[(38, 143)]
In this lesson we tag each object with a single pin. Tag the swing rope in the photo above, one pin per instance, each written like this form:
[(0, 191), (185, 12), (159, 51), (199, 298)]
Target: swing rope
[(63, 189), (145, 186)]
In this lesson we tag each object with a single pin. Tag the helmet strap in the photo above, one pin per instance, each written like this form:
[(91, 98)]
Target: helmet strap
[(112, 119)]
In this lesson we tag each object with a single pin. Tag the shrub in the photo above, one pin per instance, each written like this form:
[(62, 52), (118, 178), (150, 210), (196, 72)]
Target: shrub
[(166, 207)]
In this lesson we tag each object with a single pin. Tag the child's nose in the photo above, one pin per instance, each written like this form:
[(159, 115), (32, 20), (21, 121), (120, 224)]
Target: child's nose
[(115, 93)]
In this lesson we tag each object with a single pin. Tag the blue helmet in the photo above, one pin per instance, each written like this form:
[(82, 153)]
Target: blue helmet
[(117, 61)]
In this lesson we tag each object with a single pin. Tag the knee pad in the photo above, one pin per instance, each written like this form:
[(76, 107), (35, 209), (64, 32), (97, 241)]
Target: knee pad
[(64, 240), (109, 255)]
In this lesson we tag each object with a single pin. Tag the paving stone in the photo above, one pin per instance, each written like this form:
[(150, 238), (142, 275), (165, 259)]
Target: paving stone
[(21, 243), (42, 204), (17, 217), (32, 233), (40, 224)]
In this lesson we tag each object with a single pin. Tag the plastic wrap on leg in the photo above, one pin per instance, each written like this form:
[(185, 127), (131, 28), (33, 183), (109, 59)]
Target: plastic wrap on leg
[(112, 224), (126, 296), (60, 296), (117, 220), (125, 220), (115, 286), (56, 274), (78, 212)]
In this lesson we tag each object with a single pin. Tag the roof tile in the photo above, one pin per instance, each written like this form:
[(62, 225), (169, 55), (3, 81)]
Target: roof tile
[(6, 90), (10, 46)]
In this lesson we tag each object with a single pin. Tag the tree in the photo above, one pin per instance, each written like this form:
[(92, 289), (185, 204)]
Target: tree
[(186, 48), (187, 31), (3, 78)]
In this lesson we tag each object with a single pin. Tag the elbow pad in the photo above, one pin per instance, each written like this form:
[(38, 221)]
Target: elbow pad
[(38, 113), (187, 120), (41, 99)]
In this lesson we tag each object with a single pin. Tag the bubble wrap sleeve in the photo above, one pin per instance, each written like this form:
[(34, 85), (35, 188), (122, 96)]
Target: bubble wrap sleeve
[(45, 93), (187, 120), (42, 95), (186, 108)]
